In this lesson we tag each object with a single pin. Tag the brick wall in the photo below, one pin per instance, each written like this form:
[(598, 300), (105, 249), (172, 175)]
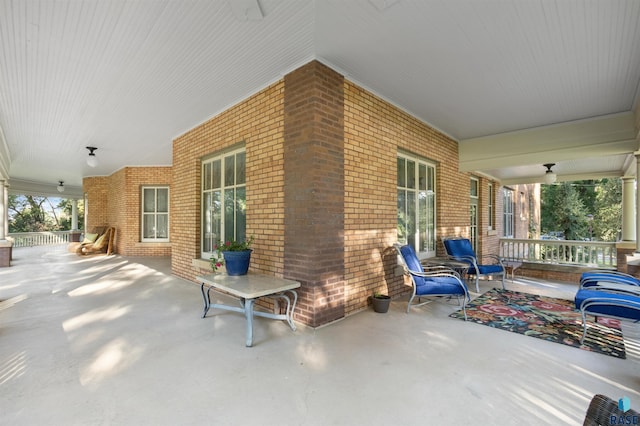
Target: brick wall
[(488, 239), (118, 210), (374, 132), (525, 219), (97, 207), (116, 201), (314, 190), (129, 219), (321, 189), (489, 242), (256, 123)]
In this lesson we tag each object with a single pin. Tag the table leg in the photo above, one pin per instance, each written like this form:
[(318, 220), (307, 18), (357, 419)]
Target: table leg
[(248, 312), (290, 308), (206, 300), (288, 315)]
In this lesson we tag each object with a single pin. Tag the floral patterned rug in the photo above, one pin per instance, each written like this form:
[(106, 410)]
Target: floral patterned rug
[(548, 318)]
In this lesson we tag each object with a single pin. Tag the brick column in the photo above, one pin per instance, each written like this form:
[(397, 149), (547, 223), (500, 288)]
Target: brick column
[(637, 215), (97, 201), (4, 207), (314, 190)]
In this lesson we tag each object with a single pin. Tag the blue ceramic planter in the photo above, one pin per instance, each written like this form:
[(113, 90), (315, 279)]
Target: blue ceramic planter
[(237, 262)]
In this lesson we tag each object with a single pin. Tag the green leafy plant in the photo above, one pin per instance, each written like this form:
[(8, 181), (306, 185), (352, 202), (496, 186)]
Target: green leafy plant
[(217, 259)]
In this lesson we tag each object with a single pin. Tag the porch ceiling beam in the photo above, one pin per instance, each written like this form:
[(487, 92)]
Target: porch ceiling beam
[(563, 178), (5, 157), (23, 187), (599, 136)]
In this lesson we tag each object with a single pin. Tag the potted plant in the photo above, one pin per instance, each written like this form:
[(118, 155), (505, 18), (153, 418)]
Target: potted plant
[(234, 255), (380, 302)]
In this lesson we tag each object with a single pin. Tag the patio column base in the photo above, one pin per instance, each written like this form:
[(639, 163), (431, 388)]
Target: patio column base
[(626, 255), (5, 253)]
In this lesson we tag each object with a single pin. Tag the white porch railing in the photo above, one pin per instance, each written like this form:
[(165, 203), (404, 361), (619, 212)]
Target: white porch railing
[(31, 239), (588, 253)]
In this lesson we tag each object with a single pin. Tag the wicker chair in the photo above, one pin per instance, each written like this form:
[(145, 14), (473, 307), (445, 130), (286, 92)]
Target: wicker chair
[(602, 409), (104, 243)]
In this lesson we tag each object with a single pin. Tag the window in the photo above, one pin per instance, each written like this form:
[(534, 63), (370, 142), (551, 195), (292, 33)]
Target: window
[(533, 226), (223, 200), (508, 207), (474, 188), (490, 196), (416, 204), (155, 214), (473, 213)]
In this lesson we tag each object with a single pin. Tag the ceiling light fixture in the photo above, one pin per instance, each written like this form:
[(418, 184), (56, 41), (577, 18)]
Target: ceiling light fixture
[(92, 161), (61, 186), (549, 176)]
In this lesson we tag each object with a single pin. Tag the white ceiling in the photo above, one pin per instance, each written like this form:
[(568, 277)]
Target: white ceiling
[(128, 76)]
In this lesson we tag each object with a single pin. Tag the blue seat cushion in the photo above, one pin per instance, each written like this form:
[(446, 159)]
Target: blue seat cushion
[(437, 285), (411, 259), (459, 247), (487, 269), (429, 285), (630, 308), (592, 278)]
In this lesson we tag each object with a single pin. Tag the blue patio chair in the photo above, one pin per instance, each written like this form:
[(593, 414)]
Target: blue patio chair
[(460, 249), (620, 300), (595, 277), (436, 281)]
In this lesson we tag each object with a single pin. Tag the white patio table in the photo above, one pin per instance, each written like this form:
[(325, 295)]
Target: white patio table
[(250, 288)]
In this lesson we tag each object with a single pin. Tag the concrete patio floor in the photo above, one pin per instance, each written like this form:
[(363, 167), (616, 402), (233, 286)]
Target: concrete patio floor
[(119, 341)]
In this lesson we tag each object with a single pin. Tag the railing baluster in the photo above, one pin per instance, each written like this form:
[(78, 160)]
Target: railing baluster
[(31, 239), (592, 253)]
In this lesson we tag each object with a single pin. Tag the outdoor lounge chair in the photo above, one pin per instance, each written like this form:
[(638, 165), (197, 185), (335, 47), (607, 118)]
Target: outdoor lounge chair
[(593, 278), (460, 249), (602, 409), (613, 299), (103, 244), (436, 281)]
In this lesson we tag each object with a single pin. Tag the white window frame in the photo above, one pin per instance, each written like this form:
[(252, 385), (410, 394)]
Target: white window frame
[(155, 214), (426, 195), (208, 237), (474, 196), (508, 207), (490, 198)]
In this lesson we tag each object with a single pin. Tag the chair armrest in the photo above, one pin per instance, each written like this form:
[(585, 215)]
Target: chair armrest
[(613, 281), (615, 287), (619, 303), (469, 259), (610, 272), (495, 257), (435, 271), (441, 271)]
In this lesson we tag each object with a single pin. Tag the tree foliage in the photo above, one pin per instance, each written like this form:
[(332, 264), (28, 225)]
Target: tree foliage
[(583, 210), (30, 213), (66, 205), (607, 222)]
